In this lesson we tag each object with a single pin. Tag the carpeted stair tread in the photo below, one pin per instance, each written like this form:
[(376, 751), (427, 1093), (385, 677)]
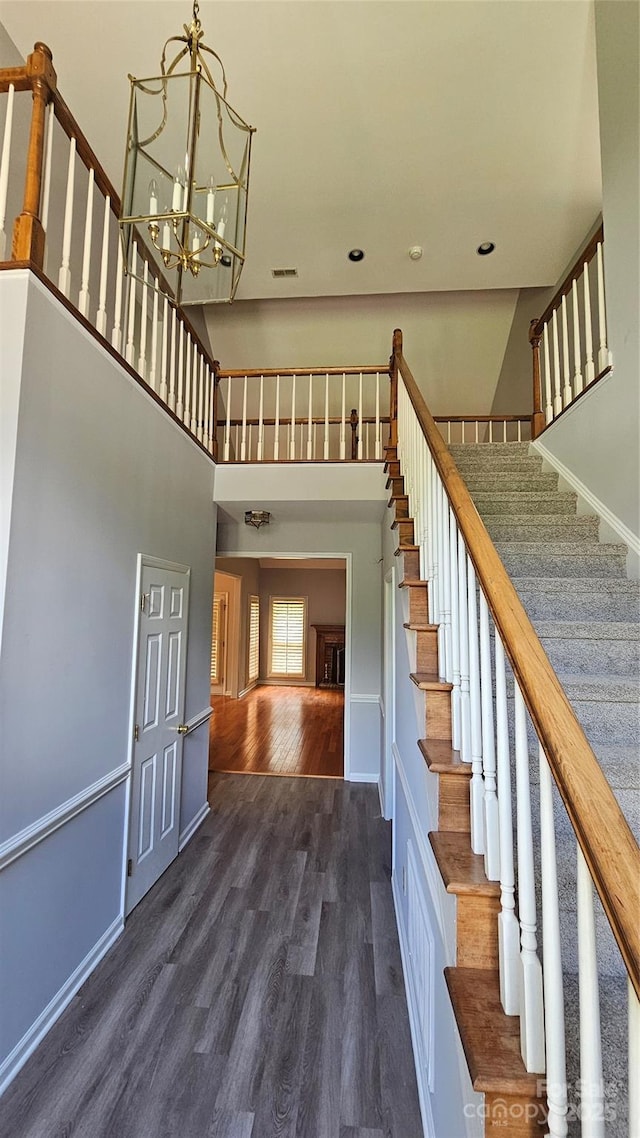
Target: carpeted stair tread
[(589, 630)]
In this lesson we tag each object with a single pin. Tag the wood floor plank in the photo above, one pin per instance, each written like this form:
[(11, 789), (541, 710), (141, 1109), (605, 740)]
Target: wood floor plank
[(255, 993), (279, 730)]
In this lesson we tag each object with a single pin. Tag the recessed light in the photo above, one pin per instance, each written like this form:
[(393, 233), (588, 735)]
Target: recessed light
[(486, 248), (356, 254)]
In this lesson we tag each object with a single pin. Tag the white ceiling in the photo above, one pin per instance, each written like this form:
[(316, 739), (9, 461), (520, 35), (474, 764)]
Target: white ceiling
[(381, 124)]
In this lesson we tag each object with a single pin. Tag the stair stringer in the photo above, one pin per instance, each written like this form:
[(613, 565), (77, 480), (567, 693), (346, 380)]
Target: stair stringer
[(488, 1038)]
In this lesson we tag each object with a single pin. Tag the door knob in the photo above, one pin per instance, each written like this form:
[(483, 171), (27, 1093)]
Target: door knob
[(183, 729)]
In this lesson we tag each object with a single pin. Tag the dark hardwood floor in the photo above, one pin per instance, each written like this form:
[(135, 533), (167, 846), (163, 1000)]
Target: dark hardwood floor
[(256, 992), (279, 730)]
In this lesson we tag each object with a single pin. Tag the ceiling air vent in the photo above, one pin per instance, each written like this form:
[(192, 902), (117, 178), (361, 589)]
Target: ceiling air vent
[(284, 272)]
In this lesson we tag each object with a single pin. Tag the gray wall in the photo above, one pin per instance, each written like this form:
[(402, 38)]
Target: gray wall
[(101, 474), (597, 439), (325, 590), (514, 390)]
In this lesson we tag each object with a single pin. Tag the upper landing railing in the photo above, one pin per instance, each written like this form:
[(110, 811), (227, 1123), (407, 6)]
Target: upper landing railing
[(67, 233), (572, 333)]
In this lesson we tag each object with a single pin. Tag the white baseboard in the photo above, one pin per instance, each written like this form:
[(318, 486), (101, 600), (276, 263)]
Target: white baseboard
[(358, 776), (54, 1009), (194, 824), (625, 534), (249, 687), (381, 796), (423, 1090)]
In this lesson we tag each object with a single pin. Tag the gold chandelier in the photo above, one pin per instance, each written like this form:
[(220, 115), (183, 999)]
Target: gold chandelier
[(186, 176)]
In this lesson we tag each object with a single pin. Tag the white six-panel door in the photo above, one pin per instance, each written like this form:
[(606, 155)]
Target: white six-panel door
[(159, 681)]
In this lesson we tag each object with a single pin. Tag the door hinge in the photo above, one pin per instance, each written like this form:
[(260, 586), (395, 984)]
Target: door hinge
[(136, 734), (143, 601), (130, 867)]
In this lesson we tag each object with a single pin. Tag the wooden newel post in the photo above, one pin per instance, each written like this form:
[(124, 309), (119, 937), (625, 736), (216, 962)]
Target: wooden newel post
[(394, 361), (28, 234), (537, 418), (214, 427), (354, 432)]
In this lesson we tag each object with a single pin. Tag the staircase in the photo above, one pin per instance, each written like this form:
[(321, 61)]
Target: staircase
[(587, 615)]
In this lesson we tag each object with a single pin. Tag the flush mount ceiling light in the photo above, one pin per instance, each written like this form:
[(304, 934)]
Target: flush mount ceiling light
[(186, 174), (486, 248), (356, 254), (257, 518), (415, 252)]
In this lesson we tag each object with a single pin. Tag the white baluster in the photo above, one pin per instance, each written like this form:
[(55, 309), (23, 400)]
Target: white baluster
[(490, 431), (589, 365), (142, 355), (557, 392), (209, 397), (5, 161), (519, 431), (477, 784), (237, 436), (556, 1064), (567, 394), (46, 184), (577, 350), (83, 298), (634, 1062), (378, 453), (343, 441), (455, 630), (64, 275), (463, 625), (504, 431), (180, 373), (508, 930), (476, 434), (101, 316), (309, 422), (154, 337), (276, 429), (249, 426), (165, 347), (172, 362), (189, 380), (448, 432), (605, 358), (531, 1013), (591, 1081), (260, 454), (325, 446), (243, 441), (116, 335), (196, 425), (491, 828), (131, 320), (445, 561), (292, 425), (359, 450), (227, 432), (548, 404)]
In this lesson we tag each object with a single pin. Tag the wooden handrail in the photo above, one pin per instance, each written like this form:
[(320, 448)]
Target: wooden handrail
[(586, 254), (273, 373), (589, 800), (481, 418)]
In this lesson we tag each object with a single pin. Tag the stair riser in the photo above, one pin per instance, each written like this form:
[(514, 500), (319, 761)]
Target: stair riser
[(481, 449), (437, 715), (477, 931), (555, 565), (602, 722), (419, 605), (603, 657), (579, 604), (453, 804), (510, 481), (426, 651), (494, 505), (410, 565), (568, 530)]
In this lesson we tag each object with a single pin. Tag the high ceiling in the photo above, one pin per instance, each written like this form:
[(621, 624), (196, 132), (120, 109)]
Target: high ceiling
[(381, 125)]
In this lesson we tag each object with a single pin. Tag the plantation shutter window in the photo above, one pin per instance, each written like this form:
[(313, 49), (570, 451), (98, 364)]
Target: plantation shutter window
[(288, 618), (254, 638)]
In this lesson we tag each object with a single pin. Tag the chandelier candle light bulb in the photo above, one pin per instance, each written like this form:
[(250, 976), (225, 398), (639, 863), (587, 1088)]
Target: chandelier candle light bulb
[(153, 197), (211, 198)]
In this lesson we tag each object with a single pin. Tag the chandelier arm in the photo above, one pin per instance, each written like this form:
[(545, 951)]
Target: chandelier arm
[(205, 47)]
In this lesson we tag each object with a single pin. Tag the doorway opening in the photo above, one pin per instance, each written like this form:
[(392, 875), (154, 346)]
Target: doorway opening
[(286, 660)]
